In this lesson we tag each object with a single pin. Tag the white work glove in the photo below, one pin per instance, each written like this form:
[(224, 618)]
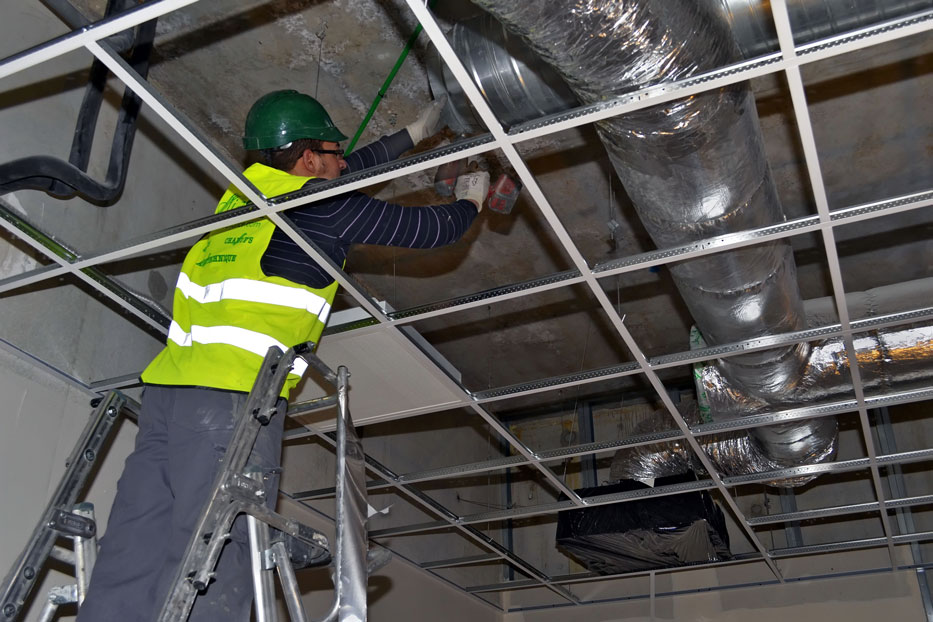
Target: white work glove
[(426, 123), (473, 187)]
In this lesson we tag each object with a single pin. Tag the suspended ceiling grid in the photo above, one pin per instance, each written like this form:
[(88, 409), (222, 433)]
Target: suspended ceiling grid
[(583, 279)]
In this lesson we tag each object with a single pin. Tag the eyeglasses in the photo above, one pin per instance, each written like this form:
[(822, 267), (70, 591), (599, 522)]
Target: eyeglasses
[(336, 152)]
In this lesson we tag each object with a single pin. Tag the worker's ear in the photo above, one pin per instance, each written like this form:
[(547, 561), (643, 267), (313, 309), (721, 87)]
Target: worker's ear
[(310, 161)]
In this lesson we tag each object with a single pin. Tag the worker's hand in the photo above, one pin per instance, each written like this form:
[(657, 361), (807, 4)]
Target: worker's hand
[(426, 123), (473, 187)]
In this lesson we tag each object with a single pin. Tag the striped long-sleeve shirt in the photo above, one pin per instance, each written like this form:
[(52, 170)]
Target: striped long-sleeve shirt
[(336, 223)]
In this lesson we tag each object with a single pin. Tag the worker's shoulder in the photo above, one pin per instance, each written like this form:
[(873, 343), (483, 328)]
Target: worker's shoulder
[(350, 199)]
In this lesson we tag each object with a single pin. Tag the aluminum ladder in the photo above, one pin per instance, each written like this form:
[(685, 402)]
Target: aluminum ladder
[(236, 490)]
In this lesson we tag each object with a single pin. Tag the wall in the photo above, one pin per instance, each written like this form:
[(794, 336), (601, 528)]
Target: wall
[(885, 596), (397, 592), (167, 184), (41, 420)]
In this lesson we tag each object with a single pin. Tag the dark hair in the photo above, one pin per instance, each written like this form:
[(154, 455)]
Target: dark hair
[(284, 158)]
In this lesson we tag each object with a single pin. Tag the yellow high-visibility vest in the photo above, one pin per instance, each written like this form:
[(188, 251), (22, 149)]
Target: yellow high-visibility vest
[(227, 313)]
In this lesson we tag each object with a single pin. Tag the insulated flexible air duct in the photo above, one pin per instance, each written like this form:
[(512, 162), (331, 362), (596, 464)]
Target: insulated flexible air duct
[(893, 358), (694, 168), (519, 86), (810, 19), (515, 82)]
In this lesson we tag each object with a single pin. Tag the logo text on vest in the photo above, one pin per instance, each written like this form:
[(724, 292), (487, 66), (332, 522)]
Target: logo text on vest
[(217, 259), (248, 239)]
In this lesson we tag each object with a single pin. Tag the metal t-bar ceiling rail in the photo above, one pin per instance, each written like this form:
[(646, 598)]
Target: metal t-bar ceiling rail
[(75, 20), (687, 357), (811, 157), (731, 74), (128, 300), (589, 449), (649, 259), (94, 32), (479, 104), (821, 49), (63, 179), (845, 466)]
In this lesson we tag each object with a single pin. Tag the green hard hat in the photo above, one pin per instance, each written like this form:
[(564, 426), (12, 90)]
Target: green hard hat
[(280, 117)]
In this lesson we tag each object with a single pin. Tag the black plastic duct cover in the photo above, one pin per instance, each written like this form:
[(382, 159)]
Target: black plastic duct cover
[(662, 532)]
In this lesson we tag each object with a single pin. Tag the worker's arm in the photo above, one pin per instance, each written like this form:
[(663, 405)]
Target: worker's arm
[(389, 148), (384, 150), (354, 218)]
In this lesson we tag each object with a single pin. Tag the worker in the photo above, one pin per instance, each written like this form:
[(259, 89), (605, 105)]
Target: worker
[(241, 290)]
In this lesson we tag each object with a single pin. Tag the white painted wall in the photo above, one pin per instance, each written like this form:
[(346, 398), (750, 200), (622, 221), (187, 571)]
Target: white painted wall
[(397, 592), (855, 599), (167, 184), (41, 419), (881, 596)]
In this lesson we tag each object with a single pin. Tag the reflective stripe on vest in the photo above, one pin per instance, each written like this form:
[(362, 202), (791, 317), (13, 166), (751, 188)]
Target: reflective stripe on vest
[(254, 342), (249, 290), (227, 312)]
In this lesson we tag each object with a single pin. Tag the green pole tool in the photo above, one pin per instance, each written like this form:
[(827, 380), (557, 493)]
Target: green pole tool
[(388, 81)]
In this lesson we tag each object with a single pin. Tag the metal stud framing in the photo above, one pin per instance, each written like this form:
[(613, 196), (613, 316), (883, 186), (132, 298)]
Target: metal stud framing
[(788, 61)]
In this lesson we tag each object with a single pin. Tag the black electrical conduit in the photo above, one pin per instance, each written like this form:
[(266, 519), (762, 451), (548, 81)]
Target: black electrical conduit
[(63, 179)]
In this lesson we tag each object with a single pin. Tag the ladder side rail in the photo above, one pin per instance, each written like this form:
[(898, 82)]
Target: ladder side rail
[(48, 611), (290, 590), (21, 578), (350, 548), (350, 572), (196, 567), (85, 553), (263, 581)]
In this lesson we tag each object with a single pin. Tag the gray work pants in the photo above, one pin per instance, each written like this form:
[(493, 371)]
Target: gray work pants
[(183, 433)]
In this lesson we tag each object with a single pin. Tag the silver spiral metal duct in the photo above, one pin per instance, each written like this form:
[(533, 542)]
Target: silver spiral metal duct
[(517, 85), (898, 358), (694, 168), (520, 87), (810, 19), (887, 359)]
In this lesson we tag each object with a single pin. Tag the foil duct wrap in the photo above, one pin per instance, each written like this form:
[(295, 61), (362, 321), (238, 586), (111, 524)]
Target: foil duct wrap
[(732, 453), (889, 359), (896, 358), (693, 168), (809, 19)]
